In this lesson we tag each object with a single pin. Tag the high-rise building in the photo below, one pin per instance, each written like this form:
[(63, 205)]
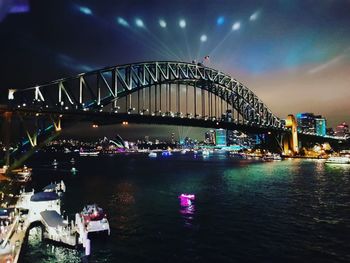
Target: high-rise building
[(306, 122), (220, 137), (210, 137), (342, 130), (320, 125), (309, 122)]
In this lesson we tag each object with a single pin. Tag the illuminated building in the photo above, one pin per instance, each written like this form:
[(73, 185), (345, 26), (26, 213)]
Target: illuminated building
[(320, 125), (342, 130), (306, 122), (210, 137), (220, 137), (310, 123)]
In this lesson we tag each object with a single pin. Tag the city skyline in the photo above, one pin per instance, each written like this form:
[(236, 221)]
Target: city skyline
[(289, 59)]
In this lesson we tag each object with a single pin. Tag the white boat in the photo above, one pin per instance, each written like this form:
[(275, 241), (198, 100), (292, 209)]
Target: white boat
[(95, 153), (338, 160), (272, 157), (205, 152), (23, 175), (184, 151), (152, 154), (55, 187), (93, 219), (72, 161), (55, 163)]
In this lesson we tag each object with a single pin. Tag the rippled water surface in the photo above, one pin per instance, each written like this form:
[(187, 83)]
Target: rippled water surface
[(292, 210)]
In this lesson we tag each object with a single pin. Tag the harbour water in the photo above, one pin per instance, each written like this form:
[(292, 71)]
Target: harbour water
[(291, 210)]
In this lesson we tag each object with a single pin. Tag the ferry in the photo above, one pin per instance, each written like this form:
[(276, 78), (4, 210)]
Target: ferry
[(93, 219), (272, 157), (54, 163), (94, 153), (205, 152), (152, 155), (338, 160), (23, 175), (58, 188), (237, 155)]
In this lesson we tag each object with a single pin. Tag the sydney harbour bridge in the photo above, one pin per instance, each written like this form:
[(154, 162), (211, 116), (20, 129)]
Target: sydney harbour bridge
[(157, 92)]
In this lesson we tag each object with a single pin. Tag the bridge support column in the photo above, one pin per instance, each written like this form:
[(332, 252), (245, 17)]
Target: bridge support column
[(56, 123), (290, 140), (7, 132)]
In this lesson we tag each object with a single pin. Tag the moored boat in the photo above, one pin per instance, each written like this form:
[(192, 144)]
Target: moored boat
[(338, 160), (93, 219)]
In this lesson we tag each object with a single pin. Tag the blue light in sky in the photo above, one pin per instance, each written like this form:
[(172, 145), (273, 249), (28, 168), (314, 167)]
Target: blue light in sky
[(122, 22), (182, 23), (85, 10), (139, 22), (162, 23), (203, 38), (254, 16), (236, 26), (220, 21)]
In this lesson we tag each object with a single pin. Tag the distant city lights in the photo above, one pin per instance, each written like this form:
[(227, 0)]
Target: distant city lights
[(182, 23), (122, 22), (220, 21), (85, 10), (162, 23), (203, 38), (139, 22), (236, 26)]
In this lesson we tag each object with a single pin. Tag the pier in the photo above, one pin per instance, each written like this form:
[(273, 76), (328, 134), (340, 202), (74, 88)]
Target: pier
[(45, 208)]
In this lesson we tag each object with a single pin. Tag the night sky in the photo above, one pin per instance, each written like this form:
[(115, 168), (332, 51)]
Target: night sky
[(295, 55)]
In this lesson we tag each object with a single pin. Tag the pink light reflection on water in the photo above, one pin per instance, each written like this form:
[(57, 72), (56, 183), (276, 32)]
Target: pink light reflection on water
[(186, 199)]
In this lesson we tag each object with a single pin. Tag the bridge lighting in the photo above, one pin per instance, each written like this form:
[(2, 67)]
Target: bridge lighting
[(162, 23), (203, 38), (121, 21), (220, 21), (182, 23), (85, 10), (139, 23), (66, 108), (236, 26), (24, 104)]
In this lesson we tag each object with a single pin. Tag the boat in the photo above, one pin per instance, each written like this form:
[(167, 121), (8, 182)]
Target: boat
[(72, 161), (272, 157), (205, 152), (152, 154), (166, 153), (55, 163), (58, 188), (94, 153), (338, 160), (93, 219), (74, 170), (23, 175), (184, 151), (237, 155)]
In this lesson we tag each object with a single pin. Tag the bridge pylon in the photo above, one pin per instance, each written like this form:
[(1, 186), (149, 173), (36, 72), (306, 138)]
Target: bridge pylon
[(290, 140)]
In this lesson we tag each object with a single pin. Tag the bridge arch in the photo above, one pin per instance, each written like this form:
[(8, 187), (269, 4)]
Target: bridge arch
[(95, 90)]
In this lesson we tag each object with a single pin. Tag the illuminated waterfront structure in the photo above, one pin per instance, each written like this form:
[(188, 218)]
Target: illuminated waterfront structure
[(220, 137), (320, 125), (342, 130), (311, 123), (209, 137)]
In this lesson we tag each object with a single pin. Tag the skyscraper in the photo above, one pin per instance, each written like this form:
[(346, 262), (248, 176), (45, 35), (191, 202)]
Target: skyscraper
[(320, 124), (342, 130), (220, 137)]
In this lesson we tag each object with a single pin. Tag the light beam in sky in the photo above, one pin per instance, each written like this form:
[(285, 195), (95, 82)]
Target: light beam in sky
[(220, 21), (121, 21), (162, 23), (139, 22), (182, 23), (236, 26), (254, 16), (85, 10), (203, 38)]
